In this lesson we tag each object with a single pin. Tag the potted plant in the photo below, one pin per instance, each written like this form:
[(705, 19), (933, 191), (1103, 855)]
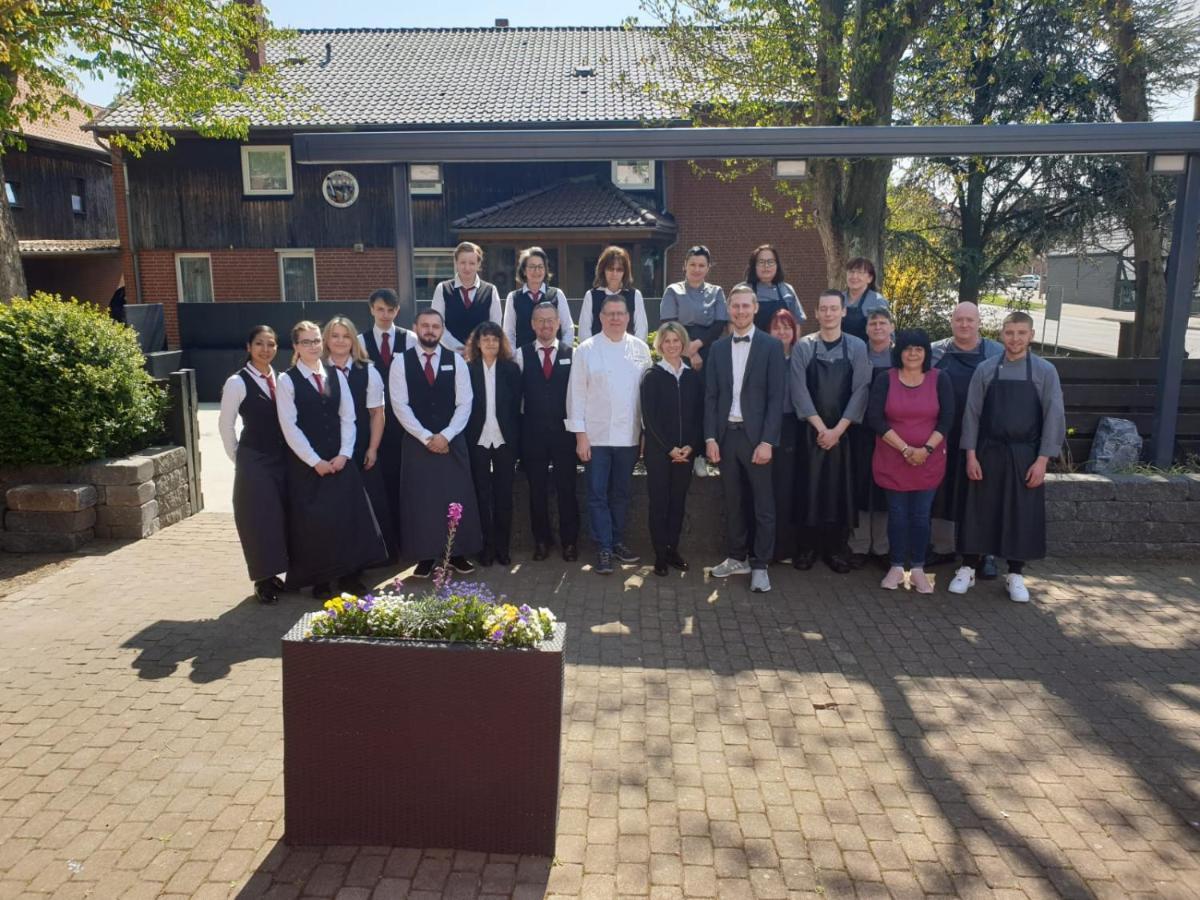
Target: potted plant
[(424, 721)]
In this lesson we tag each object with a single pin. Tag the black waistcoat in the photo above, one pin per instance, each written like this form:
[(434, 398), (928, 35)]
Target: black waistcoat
[(523, 307), (401, 340), (598, 295), (433, 406), (461, 321), (545, 399), (260, 421), (317, 414)]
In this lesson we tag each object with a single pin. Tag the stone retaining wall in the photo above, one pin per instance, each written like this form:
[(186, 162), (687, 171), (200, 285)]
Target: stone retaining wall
[(60, 508), (1125, 516)]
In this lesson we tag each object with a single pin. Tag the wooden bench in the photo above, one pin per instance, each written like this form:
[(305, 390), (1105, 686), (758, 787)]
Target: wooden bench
[(1125, 388)]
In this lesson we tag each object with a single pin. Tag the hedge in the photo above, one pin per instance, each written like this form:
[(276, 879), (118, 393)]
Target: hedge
[(72, 386)]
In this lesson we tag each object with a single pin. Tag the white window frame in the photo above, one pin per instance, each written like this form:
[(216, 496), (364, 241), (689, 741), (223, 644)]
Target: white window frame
[(248, 149), (293, 253), (179, 257), (425, 187), (642, 186), (434, 253)]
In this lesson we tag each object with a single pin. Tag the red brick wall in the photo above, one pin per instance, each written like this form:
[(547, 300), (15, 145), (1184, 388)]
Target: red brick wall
[(722, 216), (342, 274)]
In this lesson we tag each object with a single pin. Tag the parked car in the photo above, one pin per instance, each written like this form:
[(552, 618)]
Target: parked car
[(1028, 283)]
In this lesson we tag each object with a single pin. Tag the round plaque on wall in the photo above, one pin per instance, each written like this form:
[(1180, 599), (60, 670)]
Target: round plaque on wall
[(340, 189)]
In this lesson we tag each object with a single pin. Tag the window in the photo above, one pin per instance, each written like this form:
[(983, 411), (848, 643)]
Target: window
[(77, 202), (193, 272), (424, 178), (633, 174), (431, 265), (297, 275), (12, 193), (267, 170)]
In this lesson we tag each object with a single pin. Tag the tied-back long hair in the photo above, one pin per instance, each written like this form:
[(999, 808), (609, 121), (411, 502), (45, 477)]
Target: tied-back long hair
[(482, 330), (302, 326), (357, 353)]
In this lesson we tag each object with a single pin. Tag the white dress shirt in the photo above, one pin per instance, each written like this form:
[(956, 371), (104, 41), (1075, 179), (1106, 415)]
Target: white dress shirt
[(603, 395), (398, 387), (393, 333), (285, 404), (641, 325), (439, 303), (490, 436), (232, 395), (537, 351), (374, 382), (741, 355), (566, 325), (666, 367)]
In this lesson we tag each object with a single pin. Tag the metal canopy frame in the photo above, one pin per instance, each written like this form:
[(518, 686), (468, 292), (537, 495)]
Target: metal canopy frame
[(398, 148)]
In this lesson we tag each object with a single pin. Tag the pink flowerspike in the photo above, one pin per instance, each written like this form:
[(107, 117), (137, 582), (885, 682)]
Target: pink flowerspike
[(455, 513)]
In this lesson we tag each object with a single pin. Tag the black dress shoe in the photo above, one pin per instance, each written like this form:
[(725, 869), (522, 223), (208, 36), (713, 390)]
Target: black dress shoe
[(857, 560), (804, 560), (352, 584), (323, 590), (838, 563), (266, 592), (660, 567), (674, 559), (277, 583), (987, 569), (424, 569), (540, 552), (485, 558), (570, 553), (504, 559)]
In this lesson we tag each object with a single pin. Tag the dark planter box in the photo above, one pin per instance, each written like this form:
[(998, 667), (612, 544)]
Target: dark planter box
[(421, 744)]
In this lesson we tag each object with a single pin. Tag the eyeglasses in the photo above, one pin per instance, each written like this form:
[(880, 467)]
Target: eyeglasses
[(766, 263), (310, 342), (529, 267), (615, 314)]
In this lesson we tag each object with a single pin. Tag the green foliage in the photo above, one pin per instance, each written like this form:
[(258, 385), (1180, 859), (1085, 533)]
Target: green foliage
[(918, 276), (72, 386), (180, 63)]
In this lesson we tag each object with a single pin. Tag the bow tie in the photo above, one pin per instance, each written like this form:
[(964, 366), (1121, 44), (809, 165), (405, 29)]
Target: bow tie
[(742, 340)]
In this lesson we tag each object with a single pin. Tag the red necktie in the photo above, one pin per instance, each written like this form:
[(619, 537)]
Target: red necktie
[(320, 387), (466, 292), (270, 384), (385, 351), (429, 376), (547, 368), (536, 296)]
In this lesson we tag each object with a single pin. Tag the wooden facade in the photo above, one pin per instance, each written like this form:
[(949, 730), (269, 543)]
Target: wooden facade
[(46, 175)]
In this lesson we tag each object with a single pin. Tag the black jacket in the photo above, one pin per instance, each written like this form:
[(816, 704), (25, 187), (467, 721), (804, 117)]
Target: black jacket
[(508, 402), (762, 389), (672, 410)]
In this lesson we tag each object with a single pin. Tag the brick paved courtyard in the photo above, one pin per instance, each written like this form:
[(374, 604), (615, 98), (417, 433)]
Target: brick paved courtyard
[(827, 739)]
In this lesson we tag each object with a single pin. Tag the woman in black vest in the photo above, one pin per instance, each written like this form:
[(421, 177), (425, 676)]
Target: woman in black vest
[(492, 435), (465, 300), (346, 354), (259, 456), (614, 275), (533, 273), (673, 417), (332, 532)]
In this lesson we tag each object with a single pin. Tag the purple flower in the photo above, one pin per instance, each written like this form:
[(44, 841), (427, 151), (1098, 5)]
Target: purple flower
[(454, 513)]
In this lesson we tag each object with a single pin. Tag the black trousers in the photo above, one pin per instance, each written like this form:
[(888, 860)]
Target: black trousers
[(537, 456), (736, 455), (492, 472), (667, 485)]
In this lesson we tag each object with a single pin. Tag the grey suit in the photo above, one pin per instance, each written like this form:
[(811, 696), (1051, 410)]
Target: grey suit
[(763, 385)]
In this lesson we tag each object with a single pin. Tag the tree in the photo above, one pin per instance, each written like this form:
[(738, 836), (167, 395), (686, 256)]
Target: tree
[(798, 62), (181, 63)]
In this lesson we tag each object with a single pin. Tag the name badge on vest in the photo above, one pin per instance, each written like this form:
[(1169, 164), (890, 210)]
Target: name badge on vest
[(449, 368), (565, 361)]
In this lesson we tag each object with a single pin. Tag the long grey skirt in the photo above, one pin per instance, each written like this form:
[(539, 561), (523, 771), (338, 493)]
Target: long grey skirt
[(260, 511), (429, 483)]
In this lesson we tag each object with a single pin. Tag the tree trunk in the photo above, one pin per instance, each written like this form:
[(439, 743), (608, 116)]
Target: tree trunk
[(1141, 205), (12, 275), (971, 253)]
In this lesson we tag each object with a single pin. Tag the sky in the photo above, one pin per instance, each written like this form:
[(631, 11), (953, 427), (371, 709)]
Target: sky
[(483, 13)]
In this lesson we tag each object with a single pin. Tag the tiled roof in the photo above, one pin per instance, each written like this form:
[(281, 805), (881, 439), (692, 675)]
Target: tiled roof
[(583, 202), (411, 78), (68, 247), (65, 127)]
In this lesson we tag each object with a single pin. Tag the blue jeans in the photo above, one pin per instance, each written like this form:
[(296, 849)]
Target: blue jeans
[(610, 485), (908, 526)]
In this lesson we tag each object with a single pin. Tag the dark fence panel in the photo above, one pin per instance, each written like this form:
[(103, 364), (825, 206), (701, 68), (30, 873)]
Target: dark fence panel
[(183, 427)]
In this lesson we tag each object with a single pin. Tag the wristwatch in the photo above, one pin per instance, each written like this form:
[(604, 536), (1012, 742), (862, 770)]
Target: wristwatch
[(928, 449)]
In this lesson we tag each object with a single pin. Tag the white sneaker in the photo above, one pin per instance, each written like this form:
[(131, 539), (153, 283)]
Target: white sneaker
[(1017, 592), (700, 467), (731, 566), (760, 582), (963, 580)]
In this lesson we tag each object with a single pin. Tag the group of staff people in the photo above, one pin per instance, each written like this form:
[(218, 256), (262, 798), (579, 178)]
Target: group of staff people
[(839, 444)]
